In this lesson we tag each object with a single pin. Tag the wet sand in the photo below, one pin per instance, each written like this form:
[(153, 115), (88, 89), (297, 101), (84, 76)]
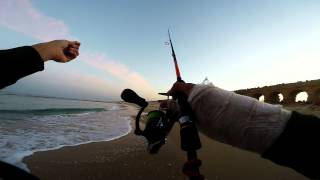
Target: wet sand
[(126, 158)]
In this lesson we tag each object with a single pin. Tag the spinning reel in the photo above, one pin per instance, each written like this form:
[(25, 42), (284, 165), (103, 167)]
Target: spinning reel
[(159, 124)]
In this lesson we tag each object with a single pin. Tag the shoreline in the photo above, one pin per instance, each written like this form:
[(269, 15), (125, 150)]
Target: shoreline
[(107, 160), (25, 150), (27, 154), (127, 158)]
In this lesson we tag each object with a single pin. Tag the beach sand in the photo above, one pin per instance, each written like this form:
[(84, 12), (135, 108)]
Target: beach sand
[(126, 158)]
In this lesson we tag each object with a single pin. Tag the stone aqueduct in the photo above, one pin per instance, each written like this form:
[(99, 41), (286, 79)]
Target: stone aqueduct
[(288, 91)]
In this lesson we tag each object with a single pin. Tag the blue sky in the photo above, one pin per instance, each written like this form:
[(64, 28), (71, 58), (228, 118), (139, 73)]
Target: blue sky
[(236, 44)]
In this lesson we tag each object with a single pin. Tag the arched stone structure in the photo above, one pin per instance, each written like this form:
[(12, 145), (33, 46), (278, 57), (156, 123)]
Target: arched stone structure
[(257, 95), (288, 91), (315, 96), (273, 97)]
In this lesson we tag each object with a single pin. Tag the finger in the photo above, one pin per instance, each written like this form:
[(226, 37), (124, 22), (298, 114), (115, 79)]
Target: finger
[(77, 43), (171, 90), (68, 56), (73, 51), (63, 59), (71, 56), (77, 46), (175, 88), (180, 87), (74, 44), (76, 52)]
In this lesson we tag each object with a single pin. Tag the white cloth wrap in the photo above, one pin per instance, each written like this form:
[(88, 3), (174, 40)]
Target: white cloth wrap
[(237, 120)]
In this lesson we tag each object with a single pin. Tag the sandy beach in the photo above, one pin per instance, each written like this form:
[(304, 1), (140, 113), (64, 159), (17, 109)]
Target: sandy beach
[(126, 158)]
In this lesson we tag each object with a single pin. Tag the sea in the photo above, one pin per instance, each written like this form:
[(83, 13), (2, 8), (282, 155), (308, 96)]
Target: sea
[(30, 124)]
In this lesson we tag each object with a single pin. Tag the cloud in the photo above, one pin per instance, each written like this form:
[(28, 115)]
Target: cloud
[(121, 71), (22, 16)]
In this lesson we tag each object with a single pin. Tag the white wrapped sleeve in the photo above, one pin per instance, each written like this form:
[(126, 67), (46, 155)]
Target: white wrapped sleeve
[(237, 120)]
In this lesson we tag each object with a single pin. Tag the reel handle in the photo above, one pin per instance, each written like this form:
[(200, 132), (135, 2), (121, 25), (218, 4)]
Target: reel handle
[(130, 96)]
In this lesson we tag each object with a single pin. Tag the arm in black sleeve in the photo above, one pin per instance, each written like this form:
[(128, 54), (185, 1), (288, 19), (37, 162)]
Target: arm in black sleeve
[(297, 147), (17, 63)]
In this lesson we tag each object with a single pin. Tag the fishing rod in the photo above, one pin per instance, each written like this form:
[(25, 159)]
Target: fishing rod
[(159, 123), (189, 136), (175, 59)]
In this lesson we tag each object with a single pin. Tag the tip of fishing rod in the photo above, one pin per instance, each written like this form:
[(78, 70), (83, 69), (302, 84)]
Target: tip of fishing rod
[(169, 33)]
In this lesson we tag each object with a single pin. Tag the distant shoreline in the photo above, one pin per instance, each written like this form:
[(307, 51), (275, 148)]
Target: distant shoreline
[(54, 97)]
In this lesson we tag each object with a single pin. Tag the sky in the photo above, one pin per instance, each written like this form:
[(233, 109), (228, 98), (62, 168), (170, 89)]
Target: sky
[(236, 44)]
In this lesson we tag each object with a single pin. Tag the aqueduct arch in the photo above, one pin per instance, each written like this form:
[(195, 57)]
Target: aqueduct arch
[(257, 95), (289, 92), (273, 97)]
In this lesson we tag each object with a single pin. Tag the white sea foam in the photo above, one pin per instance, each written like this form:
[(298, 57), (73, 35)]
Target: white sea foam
[(23, 137)]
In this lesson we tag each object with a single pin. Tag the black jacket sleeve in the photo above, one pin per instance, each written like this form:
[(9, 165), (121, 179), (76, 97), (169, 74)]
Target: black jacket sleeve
[(297, 147), (17, 63)]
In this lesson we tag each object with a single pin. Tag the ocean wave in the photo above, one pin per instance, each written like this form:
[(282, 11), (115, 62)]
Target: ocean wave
[(41, 133)]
